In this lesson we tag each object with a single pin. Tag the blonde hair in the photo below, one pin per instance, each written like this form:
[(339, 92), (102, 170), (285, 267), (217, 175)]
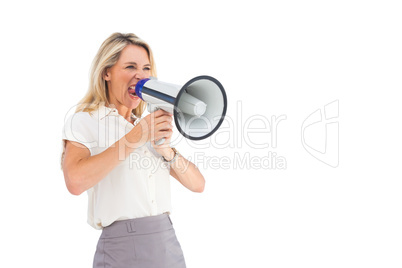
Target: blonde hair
[(108, 54)]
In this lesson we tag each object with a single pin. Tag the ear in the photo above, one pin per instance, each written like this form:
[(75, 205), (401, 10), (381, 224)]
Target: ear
[(106, 74)]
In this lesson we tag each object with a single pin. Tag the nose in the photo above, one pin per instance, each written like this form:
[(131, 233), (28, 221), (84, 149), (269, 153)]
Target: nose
[(139, 75)]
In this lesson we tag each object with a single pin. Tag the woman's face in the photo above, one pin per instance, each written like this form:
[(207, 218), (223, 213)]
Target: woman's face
[(132, 66)]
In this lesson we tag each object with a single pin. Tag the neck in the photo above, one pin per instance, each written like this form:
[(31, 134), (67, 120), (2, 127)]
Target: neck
[(122, 110)]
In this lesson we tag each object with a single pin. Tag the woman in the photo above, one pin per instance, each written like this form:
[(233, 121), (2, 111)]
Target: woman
[(110, 152)]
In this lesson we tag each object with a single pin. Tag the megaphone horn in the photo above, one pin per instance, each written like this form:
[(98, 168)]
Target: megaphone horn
[(199, 107)]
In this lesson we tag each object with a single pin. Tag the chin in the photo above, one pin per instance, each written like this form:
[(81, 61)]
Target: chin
[(133, 104)]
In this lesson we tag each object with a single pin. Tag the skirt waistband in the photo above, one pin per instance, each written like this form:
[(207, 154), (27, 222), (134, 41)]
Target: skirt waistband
[(138, 226)]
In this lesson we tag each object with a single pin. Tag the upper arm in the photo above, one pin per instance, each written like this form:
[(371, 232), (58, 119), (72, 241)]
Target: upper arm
[(76, 135), (74, 151)]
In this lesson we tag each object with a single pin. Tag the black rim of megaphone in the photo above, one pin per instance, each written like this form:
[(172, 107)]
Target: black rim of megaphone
[(183, 89)]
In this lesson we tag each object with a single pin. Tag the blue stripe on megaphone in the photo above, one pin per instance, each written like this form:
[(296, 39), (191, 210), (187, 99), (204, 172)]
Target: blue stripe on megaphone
[(139, 86)]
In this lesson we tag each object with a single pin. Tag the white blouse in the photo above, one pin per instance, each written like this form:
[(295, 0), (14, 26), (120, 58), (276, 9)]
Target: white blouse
[(138, 187)]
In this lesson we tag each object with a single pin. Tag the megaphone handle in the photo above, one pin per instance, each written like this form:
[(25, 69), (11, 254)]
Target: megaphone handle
[(160, 142), (151, 109)]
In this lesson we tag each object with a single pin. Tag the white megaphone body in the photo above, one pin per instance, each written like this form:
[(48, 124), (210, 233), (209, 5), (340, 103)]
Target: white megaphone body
[(198, 107)]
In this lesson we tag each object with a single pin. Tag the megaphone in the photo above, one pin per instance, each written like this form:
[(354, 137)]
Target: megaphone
[(199, 107)]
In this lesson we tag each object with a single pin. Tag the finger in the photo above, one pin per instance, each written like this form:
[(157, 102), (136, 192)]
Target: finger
[(161, 112), (162, 135), (164, 122), (169, 137), (162, 118), (164, 125)]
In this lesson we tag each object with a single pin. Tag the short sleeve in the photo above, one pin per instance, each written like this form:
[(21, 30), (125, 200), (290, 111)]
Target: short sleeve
[(79, 127)]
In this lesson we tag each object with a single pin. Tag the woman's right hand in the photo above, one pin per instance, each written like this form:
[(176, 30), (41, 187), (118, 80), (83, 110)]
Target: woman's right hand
[(155, 126)]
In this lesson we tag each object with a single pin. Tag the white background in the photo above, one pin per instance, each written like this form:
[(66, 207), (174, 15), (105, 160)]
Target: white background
[(273, 58)]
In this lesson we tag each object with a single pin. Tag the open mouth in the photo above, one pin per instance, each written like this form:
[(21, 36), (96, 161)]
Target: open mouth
[(131, 92)]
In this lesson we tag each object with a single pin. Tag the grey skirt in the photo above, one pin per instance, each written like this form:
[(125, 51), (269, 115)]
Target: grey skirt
[(142, 242)]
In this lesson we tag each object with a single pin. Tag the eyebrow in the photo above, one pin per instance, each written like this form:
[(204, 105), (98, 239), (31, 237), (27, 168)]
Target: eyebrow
[(134, 63)]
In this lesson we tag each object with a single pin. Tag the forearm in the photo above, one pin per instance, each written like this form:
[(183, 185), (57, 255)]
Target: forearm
[(187, 173)]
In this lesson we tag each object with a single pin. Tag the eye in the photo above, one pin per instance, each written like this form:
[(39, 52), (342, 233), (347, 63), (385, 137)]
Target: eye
[(147, 69), (130, 67)]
